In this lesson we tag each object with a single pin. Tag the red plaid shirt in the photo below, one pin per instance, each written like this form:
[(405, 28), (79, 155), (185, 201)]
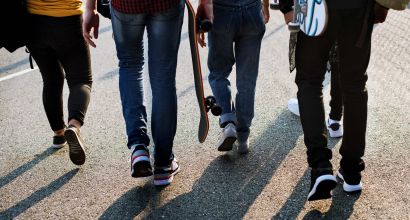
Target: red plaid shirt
[(143, 6)]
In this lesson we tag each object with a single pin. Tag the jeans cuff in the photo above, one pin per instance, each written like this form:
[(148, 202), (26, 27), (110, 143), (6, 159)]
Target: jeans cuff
[(227, 117)]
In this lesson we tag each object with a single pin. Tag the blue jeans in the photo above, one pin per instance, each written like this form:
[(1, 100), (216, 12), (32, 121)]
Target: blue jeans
[(236, 37), (163, 31)]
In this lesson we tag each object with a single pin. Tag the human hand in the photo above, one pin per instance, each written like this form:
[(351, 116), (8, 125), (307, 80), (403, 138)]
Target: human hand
[(205, 10), (265, 12), (288, 17), (91, 22), (201, 39)]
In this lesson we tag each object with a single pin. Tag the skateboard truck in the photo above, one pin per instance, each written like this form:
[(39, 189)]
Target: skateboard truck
[(274, 4), (294, 25), (211, 104)]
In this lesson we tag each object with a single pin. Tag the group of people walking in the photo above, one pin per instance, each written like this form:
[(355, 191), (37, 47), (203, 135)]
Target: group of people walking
[(61, 31)]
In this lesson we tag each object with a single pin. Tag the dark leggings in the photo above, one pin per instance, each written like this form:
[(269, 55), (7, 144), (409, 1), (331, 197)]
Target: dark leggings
[(58, 47)]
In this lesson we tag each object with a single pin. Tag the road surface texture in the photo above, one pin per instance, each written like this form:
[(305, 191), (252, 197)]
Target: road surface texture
[(271, 182)]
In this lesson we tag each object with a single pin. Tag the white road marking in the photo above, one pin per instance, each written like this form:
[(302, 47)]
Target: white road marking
[(11, 76)]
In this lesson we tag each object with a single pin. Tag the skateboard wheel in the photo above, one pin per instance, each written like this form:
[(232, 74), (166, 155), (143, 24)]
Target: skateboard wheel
[(216, 110), (274, 6), (293, 27)]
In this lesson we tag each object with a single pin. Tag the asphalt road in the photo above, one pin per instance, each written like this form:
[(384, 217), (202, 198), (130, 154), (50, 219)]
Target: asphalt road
[(37, 182)]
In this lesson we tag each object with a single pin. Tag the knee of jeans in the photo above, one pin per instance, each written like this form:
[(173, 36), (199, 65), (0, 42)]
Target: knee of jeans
[(158, 85)]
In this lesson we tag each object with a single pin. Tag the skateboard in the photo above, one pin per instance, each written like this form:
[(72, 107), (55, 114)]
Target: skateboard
[(310, 16), (196, 25)]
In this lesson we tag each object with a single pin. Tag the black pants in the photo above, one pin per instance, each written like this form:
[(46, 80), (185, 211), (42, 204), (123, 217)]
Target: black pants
[(312, 54), (57, 44), (336, 96)]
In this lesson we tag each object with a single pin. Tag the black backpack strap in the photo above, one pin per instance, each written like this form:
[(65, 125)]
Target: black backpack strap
[(30, 58)]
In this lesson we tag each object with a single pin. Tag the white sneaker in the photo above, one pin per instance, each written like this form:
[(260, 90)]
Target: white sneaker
[(228, 138), (293, 106), (350, 187), (165, 175), (243, 147), (335, 128)]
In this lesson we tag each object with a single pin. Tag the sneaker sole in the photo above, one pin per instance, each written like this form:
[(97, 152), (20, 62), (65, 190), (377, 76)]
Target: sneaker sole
[(334, 134), (141, 169), (167, 181), (76, 149), (322, 188), (58, 146), (227, 144), (351, 189)]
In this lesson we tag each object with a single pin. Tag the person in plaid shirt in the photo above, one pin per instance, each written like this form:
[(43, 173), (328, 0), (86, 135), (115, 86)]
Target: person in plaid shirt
[(163, 21)]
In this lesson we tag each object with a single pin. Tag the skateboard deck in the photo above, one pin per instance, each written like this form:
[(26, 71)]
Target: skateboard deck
[(310, 16), (208, 103)]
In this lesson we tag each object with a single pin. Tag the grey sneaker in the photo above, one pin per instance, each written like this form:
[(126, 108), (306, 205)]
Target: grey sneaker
[(227, 138), (243, 147)]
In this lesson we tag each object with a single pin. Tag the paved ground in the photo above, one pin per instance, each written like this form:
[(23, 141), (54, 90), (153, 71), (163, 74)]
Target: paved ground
[(271, 182)]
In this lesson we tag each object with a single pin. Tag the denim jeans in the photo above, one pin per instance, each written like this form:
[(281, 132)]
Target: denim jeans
[(236, 37), (163, 31)]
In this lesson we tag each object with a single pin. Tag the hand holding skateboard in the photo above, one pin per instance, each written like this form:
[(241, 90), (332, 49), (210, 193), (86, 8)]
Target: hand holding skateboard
[(310, 16), (197, 25)]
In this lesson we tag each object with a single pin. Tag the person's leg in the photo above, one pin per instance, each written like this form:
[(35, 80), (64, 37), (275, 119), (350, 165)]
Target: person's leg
[(353, 65), (72, 52), (74, 55), (164, 33), (333, 123), (247, 51), (53, 77), (128, 32), (336, 101), (220, 61), (312, 54)]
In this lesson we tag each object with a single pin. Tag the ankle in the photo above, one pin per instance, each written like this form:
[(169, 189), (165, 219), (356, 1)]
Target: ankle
[(59, 133), (74, 123)]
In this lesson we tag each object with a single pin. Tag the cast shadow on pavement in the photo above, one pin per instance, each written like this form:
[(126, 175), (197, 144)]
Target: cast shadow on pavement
[(4, 180), (231, 183), (132, 203), (297, 200), (37, 196), (342, 206), (14, 65)]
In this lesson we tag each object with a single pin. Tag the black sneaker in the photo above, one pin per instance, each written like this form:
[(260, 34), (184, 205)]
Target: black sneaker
[(351, 181), (140, 163), (322, 183), (75, 145), (165, 175), (59, 142)]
